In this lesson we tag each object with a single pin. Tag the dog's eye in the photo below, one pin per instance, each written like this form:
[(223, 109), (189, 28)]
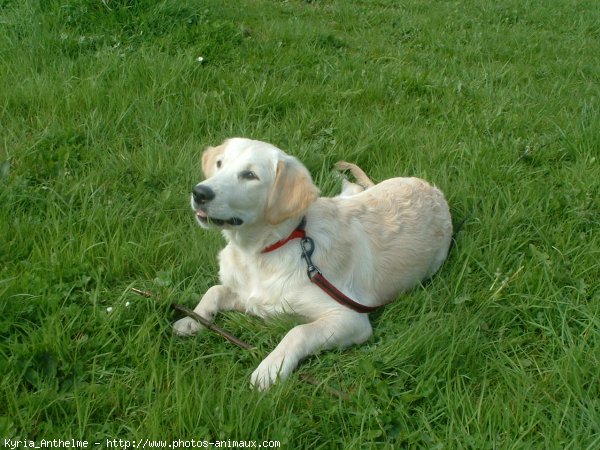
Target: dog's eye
[(219, 164), (248, 175)]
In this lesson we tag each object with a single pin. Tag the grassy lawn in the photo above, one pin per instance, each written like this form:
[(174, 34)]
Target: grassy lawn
[(104, 110)]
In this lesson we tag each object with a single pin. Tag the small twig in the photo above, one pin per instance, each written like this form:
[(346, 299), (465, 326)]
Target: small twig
[(142, 293), (211, 326), (234, 340), (208, 324)]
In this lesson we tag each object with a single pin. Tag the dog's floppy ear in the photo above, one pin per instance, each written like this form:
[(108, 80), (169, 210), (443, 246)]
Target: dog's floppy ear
[(209, 160), (292, 192)]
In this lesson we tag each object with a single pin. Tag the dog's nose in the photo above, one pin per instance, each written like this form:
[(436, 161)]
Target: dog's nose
[(202, 194)]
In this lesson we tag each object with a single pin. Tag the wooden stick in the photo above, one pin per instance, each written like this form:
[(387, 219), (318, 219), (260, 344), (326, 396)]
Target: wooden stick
[(211, 326), (142, 293), (234, 340), (208, 324)]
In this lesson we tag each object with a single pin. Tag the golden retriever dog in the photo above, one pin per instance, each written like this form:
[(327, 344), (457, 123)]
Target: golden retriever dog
[(371, 243)]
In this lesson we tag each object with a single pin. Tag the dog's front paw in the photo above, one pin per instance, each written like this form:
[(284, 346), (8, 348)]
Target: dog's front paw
[(186, 327), (265, 375), (268, 372)]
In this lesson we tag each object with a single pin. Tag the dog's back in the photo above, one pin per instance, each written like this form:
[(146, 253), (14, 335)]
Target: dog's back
[(399, 231)]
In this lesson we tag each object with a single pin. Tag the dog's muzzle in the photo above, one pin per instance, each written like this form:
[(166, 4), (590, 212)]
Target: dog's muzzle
[(202, 195)]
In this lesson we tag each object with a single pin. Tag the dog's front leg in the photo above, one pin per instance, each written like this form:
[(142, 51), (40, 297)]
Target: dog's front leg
[(336, 330), (217, 298)]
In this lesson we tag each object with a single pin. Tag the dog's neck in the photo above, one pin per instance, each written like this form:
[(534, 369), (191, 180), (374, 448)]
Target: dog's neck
[(256, 237)]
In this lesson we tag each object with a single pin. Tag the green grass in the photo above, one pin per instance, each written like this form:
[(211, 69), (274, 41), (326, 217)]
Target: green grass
[(104, 111)]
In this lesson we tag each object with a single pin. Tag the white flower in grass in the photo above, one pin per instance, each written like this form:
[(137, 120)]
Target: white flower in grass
[(200, 59), (109, 309)]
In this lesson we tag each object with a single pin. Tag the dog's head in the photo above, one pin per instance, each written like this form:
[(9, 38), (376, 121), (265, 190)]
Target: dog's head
[(250, 182)]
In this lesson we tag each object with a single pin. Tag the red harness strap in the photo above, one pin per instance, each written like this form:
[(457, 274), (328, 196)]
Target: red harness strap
[(313, 272), (296, 234)]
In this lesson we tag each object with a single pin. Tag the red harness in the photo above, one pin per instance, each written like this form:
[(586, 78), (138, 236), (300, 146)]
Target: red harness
[(313, 272), (298, 233)]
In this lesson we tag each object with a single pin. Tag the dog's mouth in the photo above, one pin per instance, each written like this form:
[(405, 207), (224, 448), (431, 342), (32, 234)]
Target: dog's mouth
[(203, 217)]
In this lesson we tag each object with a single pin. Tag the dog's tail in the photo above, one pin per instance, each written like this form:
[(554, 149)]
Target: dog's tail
[(357, 172)]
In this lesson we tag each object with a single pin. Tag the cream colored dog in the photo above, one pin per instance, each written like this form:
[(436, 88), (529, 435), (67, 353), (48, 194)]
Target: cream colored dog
[(372, 243)]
